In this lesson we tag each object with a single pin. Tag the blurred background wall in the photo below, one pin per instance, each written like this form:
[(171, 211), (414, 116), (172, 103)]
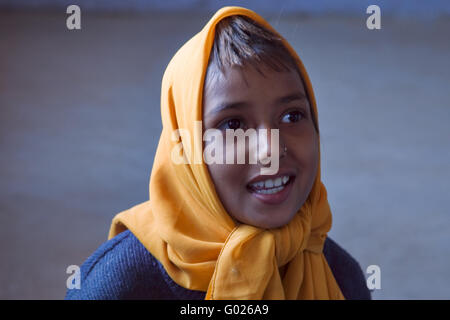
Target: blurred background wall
[(399, 8), (80, 121)]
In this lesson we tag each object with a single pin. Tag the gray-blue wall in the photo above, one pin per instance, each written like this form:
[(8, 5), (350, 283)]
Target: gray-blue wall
[(399, 8)]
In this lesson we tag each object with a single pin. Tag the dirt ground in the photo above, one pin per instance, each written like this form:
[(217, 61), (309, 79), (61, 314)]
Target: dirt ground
[(79, 123)]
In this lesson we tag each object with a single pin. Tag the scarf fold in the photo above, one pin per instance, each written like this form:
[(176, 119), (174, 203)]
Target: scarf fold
[(184, 224)]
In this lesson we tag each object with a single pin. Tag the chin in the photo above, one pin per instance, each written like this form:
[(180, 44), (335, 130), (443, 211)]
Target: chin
[(269, 223)]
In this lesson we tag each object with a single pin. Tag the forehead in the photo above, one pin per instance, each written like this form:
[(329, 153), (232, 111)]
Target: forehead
[(249, 84)]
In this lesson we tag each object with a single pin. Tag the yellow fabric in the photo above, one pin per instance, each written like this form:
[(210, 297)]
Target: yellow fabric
[(185, 226)]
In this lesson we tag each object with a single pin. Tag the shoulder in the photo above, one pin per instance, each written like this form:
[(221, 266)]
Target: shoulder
[(346, 271), (121, 268)]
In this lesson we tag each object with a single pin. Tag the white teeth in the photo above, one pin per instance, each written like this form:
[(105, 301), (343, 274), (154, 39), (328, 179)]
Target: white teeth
[(270, 191), (259, 184), (277, 182), (272, 184)]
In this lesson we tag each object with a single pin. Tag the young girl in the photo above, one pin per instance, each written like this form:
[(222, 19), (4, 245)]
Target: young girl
[(226, 231)]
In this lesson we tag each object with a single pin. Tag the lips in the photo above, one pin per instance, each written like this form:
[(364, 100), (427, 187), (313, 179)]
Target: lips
[(273, 190), (271, 185)]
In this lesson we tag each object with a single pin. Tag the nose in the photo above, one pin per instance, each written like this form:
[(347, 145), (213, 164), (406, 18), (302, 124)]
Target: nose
[(268, 144)]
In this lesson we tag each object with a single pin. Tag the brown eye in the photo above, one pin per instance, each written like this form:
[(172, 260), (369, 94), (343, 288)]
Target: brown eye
[(233, 124), (293, 116)]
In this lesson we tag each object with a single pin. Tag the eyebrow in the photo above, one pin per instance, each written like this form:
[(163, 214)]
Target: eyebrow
[(242, 104), (291, 97)]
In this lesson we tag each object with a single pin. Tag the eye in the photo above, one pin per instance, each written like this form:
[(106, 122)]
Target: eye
[(292, 116), (233, 124)]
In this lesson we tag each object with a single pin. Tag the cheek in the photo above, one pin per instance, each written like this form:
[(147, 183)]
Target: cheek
[(217, 172), (313, 152), (305, 150), (226, 179), (312, 162)]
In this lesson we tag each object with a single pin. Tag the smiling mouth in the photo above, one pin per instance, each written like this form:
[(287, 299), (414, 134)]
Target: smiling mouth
[(270, 186), (272, 191)]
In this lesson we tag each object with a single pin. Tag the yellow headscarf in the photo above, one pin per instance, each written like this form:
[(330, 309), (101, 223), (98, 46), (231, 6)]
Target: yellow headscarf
[(185, 226)]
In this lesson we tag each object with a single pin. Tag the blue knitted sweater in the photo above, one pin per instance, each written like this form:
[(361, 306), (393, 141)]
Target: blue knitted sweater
[(122, 268)]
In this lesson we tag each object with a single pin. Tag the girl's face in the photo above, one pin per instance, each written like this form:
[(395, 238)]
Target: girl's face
[(272, 100)]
